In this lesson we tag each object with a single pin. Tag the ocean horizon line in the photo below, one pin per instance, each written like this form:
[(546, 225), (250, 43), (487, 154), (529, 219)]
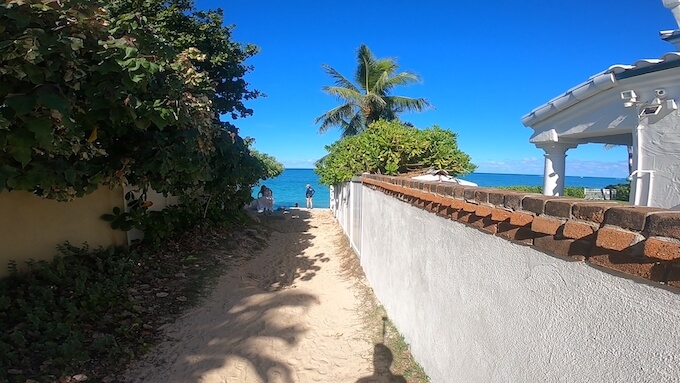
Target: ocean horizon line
[(509, 174), (289, 187)]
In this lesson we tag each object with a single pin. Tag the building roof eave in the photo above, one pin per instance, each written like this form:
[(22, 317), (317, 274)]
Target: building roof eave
[(668, 61), (594, 85), (598, 83)]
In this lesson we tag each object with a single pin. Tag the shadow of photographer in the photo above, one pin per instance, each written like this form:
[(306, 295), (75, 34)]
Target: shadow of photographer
[(382, 362)]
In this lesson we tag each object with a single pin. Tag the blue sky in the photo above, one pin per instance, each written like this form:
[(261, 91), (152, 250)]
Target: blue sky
[(484, 64)]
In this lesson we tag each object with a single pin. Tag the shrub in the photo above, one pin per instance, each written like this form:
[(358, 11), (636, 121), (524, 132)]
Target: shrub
[(570, 191), (622, 191), (47, 312), (118, 93), (92, 310), (390, 147)]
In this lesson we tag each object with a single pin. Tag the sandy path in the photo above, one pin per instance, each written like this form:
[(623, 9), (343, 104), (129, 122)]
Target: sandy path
[(288, 315)]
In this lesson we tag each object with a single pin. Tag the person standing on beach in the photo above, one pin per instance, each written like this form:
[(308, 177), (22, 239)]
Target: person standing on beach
[(309, 193)]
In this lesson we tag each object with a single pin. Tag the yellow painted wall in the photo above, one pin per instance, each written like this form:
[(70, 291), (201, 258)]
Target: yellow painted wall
[(32, 227)]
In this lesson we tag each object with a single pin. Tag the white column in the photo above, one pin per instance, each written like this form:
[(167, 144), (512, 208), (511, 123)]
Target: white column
[(553, 172)]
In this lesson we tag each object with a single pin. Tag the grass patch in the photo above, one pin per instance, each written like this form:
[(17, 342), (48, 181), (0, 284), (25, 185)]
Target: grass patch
[(622, 191), (569, 191), (403, 363)]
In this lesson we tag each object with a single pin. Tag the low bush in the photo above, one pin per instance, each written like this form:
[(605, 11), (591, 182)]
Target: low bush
[(390, 147), (622, 191), (48, 311), (571, 191), (91, 310)]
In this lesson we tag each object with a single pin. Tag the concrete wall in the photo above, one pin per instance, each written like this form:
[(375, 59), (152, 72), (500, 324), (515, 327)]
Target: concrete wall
[(476, 307), (31, 227)]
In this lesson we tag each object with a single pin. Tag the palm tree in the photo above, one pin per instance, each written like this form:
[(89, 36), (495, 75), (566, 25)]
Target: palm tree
[(370, 99)]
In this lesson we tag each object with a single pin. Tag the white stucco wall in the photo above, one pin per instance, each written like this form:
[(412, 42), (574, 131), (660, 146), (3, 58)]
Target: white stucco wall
[(660, 150), (478, 308), (657, 147)]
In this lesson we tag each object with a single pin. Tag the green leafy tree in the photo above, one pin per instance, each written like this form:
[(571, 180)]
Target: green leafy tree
[(390, 147), (182, 26), (97, 95), (272, 167), (84, 94), (369, 98)]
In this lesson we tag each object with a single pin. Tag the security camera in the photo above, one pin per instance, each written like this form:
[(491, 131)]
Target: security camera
[(629, 95), (660, 93)]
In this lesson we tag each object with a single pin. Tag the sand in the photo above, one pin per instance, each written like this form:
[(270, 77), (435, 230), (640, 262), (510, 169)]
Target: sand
[(288, 314)]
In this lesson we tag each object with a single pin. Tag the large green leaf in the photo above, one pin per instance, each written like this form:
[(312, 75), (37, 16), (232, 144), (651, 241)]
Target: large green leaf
[(158, 120), (21, 19), (52, 100), (22, 104), (20, 145), (130, 52), (70, 175), (35, 73), (42, 128)]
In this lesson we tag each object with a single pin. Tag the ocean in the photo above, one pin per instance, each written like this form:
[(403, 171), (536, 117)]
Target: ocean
[(289, 187)]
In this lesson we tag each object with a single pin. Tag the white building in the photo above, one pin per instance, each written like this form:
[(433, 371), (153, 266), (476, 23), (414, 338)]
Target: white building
[(634, 105)]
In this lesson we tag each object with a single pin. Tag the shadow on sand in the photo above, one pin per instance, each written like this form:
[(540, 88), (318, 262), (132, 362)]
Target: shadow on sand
[(382, 362), (258, 314)]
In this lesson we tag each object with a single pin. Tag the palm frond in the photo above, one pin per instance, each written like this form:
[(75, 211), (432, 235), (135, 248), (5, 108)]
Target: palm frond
[(403, 78), (337, 116), (388, 65), (349, 95), (374, 99), (401, 103), (339, 112), (365, 64), (380, 85), (340, 80), (354, 126)]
